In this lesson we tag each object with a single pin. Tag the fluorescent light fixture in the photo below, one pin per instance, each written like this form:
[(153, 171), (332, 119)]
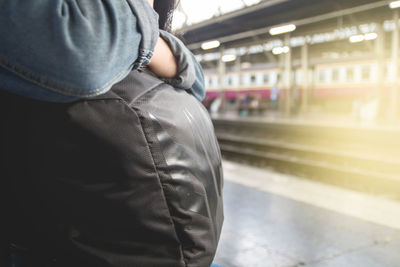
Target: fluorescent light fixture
[(363, 37), (246, 65), (395, 4), (277, 51), (280, 50), (282, 29), (210, 45), (285, 49), (228, 58), (357, 38), (370, 36)]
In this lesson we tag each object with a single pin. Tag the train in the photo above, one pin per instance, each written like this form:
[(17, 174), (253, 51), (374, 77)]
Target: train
[(345, 80)]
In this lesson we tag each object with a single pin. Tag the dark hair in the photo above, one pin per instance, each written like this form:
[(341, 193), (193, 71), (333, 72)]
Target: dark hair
[(165, 10)]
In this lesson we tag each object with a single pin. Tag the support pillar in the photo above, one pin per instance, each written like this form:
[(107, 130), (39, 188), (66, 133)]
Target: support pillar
[(394, 90), (305, 79), (238, 87), (280, 83), (287, 77), (380, 55), (221, 76), (238, 68)]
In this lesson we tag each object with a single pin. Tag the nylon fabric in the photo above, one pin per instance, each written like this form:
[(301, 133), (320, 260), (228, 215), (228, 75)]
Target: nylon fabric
[(129, 178)]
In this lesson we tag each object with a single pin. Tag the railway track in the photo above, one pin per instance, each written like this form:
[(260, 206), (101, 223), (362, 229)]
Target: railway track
[(363, 159)]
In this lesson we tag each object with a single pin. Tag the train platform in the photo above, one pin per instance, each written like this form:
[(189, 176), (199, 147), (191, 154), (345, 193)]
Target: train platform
[(311, 119), (274, 219)]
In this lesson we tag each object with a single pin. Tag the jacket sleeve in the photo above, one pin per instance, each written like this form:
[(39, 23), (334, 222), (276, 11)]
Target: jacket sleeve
[(190, 74), (62, 50)]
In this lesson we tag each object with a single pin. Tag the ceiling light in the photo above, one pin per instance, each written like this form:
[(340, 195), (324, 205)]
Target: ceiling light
[(357, 38), (394, 4), (370, 36), (228, 58), (246, 65), (210, 45), (285, 49), (280, 50), (282, 29), (277, 51)]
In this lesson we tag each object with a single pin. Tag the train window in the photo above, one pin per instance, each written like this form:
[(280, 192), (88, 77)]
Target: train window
[(322, 76), (298, 78), (335, 75), (388, 74), (278, 78), (215, 82), (230, 81), (266, 78), (366, 73), (241, 80), (253, 79), (350, 74), (311, 75)]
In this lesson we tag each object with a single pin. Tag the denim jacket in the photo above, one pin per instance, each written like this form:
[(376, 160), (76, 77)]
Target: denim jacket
[(64, 50)]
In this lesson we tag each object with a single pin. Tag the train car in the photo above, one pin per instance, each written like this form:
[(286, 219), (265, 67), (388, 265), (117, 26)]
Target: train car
[(337, 83), (257, 80)]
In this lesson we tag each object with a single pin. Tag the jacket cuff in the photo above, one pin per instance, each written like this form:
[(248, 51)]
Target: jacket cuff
[(186, 69), (147, 19)]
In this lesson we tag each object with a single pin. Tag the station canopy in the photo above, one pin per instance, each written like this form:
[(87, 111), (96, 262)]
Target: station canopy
[(232, 20), (192, 11)]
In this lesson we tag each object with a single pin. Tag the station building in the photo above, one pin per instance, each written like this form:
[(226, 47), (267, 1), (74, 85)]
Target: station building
[(323, 56)]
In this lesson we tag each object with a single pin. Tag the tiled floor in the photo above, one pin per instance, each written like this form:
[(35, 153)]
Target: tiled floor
[(266, 225)]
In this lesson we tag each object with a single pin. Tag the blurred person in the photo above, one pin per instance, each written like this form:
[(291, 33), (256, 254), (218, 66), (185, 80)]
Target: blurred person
[(244, 102), (274, 98), (255, 103), (366, 109), (131, 177), (215, 106)]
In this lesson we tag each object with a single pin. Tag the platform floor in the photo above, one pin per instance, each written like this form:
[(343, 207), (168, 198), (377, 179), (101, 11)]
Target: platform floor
[(312, 119), (280, 220)]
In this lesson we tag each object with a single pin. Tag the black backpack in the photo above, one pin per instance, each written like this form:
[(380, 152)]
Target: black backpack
[(129, 178)]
